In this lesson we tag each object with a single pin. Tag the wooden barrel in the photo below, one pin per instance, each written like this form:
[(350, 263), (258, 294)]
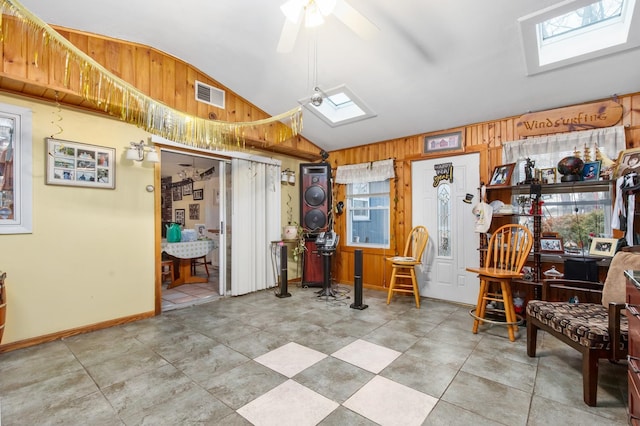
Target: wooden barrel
[(3, 303)]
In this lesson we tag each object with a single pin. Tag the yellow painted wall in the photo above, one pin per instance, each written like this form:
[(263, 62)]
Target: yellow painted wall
[(90, 257)]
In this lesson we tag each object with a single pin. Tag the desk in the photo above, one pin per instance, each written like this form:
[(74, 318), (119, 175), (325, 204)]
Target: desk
[(185, 251)]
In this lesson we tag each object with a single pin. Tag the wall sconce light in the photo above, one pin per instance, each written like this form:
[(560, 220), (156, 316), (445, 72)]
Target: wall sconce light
[(288, 177), (137, 150)]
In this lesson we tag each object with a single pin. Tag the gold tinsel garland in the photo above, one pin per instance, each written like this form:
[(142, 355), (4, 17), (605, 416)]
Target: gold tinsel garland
[(119, 98)]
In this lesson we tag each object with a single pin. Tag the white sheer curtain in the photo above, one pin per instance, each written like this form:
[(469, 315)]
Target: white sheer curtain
[(374, 171), (548, 150), (255, 222)]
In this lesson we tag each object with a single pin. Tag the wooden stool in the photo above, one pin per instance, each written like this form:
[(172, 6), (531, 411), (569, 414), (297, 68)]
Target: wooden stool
[(496, 297), (166, 270), (507, 252)]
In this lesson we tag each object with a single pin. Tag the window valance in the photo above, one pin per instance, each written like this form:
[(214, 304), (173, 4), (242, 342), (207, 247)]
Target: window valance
[(374, 171), (610, 140)]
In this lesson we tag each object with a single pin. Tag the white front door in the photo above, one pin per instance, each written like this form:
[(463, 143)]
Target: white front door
[(439, 190)]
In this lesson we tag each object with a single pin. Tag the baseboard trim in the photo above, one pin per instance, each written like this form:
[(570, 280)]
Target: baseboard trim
[(20, 344)]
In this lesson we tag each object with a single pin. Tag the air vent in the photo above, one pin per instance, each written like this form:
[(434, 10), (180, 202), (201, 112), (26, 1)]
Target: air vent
[(209, 94)]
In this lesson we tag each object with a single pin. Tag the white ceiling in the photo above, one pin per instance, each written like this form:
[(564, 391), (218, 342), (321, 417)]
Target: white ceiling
[(433, 65)]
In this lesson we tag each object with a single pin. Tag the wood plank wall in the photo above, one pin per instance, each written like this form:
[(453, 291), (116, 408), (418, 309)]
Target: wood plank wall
[(28, 69), (485, 138), (172, 81)]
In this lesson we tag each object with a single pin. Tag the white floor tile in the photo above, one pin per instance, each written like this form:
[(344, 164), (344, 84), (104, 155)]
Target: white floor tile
[(288, 404), (290, 359), (366, 355), (389, 403)]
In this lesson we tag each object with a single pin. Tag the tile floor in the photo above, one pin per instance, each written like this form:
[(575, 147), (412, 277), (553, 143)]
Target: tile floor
[(191, 294), (304, 360)]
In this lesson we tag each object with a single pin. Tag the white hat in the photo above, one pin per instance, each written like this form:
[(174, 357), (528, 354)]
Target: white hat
[(483, 213)]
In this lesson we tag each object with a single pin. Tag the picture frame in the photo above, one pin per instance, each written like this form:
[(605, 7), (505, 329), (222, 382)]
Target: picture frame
[(187, 188), (551, 245), (198, 194), (591, 171), (176, 193), (443, 142), (79, 164), (628, 161), (502, 175), (548, 175), (201, 230), (605, 247), (179, 216), (194, 211)]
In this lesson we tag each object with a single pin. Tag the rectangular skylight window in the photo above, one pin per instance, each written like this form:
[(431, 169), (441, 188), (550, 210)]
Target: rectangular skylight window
[(576, 31), (583, 18), (339, 106)]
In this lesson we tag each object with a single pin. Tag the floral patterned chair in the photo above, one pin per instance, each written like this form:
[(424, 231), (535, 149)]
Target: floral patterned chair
[(598, 329)]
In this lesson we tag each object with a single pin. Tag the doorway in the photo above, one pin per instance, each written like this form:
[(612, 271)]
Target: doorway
[(439, 192), (192, 194)]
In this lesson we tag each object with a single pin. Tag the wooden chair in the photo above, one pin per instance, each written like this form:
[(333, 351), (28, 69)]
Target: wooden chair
[(506, 254), (199, 261), (596, 329), (403, 267), (166, 271)]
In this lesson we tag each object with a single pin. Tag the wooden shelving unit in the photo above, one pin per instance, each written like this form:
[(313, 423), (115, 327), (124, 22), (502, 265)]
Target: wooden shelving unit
[(537, 259)]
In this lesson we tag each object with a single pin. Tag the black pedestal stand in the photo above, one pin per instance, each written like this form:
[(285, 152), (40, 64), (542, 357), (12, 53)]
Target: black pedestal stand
[(284, 290), (357, 281), (326, 253)]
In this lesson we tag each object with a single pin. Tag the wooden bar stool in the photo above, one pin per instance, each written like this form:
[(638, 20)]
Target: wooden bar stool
[(507, 252), (166, 271)]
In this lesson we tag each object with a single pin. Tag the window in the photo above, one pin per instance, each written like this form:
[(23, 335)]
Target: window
[(368, 218), (360, 205), (15, 170), (444, 219), (572, 32), (575, 216), (339, 106)]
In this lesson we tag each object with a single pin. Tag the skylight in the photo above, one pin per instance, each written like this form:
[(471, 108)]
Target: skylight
[(576, 31), (339, 106)]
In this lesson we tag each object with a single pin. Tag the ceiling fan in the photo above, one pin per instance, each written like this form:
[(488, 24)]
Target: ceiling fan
[(314, 12)]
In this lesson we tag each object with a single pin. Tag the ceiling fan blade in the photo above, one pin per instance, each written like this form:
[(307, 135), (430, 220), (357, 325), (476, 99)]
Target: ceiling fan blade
[(289, 35), (354, 20)]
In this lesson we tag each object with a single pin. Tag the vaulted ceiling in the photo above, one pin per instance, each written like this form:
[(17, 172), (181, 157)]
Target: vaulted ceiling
[(433, 65)]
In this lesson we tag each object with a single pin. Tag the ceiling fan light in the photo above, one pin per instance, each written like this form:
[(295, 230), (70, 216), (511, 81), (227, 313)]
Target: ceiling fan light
[(293, 9), (312, 16)]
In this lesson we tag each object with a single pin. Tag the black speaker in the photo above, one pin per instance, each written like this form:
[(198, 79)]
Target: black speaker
[(315, 197)]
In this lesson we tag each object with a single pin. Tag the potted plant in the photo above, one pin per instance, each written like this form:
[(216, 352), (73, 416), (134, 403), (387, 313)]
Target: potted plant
[(300, 246)]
